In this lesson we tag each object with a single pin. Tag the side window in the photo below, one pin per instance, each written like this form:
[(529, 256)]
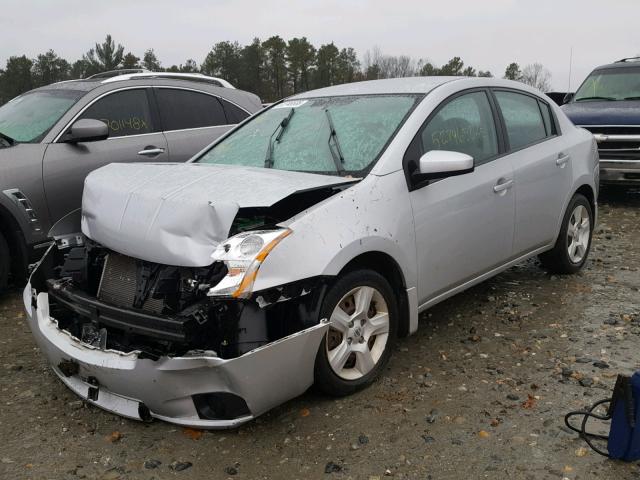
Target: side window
[(234, 114), (466, 125), (522, 118), (181, 109), (126, 113), (547, 118)]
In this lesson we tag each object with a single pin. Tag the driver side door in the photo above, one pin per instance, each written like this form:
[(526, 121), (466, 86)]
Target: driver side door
[(134, 136), (464, 224)]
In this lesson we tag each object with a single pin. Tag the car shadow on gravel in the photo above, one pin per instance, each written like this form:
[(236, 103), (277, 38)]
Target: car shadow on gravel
[(617, 196)]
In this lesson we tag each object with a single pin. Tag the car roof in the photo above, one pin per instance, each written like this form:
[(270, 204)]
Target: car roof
[(246, 100), (78, 85), (624, 63), (386, 86)]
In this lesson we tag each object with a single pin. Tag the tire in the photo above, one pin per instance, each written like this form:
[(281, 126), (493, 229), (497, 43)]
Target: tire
[(571, 250), (5, 263), (372, 338)]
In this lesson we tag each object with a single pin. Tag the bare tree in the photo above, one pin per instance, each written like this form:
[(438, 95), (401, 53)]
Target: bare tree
[(376, 65), (537, 76)]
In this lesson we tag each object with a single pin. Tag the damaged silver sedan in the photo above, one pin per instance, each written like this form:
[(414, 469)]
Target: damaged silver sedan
[(298, 247)]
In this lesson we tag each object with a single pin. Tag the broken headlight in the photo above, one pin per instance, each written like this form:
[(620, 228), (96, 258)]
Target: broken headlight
[(243, 254)]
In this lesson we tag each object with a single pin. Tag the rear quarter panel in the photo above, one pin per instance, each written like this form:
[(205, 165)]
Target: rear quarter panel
[(183, 144), (583, 149)]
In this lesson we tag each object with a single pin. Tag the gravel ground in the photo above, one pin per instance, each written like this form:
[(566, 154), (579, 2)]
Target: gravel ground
[(479, 392)]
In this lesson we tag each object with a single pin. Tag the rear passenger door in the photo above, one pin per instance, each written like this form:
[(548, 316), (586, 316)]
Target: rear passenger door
[(192, 119), (134, 136), (542, 169)]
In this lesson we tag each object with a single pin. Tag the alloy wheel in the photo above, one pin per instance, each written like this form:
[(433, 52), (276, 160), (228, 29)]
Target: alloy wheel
[(578, 233), (358, 333)]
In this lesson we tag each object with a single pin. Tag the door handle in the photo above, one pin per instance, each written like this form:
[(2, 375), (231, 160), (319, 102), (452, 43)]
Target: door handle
[(562, 160), (502, 185), (151, 151)]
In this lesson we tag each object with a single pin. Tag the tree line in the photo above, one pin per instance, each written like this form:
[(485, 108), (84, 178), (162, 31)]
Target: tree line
[(273, 68)]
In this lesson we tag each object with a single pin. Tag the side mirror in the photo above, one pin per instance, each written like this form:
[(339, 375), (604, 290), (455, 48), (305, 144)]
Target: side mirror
[(444, 163), (87, 130), (568, 97)]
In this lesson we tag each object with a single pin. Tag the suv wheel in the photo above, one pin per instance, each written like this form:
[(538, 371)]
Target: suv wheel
[(572, 246), (5, 263), (363, 312)]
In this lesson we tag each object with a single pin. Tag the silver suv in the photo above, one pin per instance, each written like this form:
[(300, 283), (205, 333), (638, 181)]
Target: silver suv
[(52, 137)]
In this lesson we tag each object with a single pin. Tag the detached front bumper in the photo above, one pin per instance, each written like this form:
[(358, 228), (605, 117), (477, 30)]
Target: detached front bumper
[(175, 389)]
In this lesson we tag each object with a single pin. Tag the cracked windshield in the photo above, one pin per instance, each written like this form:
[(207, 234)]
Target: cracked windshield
[(336, 135)]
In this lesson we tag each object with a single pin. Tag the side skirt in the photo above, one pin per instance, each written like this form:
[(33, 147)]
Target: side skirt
[(474, 281)]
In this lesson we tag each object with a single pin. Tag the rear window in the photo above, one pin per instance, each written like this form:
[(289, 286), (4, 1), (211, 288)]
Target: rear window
[(548, 118), (29, 117), (522, 117), (234, 114), (184, 109)]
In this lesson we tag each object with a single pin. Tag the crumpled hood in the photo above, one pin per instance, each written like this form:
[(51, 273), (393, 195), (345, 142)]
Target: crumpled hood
[(176, 214)]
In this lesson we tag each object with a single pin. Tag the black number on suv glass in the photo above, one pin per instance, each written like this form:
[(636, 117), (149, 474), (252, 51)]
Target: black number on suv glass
[(125, 113)]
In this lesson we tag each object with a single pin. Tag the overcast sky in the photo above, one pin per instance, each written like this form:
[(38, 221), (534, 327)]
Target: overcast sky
[(487, 34)]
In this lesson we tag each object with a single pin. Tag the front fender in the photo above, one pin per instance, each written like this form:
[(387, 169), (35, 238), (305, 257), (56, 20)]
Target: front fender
[(373, 216), (13, 212)]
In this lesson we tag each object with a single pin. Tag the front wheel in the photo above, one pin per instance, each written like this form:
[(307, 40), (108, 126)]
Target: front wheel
[(572, 246), (362, 309)]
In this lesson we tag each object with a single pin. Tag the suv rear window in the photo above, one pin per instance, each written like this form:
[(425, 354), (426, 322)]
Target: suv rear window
[(234, 114), (183, 109)]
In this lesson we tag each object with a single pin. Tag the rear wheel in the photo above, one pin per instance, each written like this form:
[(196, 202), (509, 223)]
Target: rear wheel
[(572, 246), (363, 312), (5, 263)]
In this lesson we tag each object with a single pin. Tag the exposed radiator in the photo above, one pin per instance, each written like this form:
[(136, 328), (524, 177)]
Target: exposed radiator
[(118, 284)]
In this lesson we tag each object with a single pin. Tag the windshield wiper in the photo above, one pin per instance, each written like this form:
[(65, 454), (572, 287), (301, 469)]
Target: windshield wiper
[(594, 98), (10, 141), (637, 97), (338, 158), (278, 132)]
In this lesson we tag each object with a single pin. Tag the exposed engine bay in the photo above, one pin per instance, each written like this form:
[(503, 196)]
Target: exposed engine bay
[(116, 302)]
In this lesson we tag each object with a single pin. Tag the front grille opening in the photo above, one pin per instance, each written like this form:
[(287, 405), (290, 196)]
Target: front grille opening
[(119, 282), (110, 300)]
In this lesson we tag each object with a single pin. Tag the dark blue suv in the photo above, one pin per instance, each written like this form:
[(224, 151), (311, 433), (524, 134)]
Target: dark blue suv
[(608, 105)]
